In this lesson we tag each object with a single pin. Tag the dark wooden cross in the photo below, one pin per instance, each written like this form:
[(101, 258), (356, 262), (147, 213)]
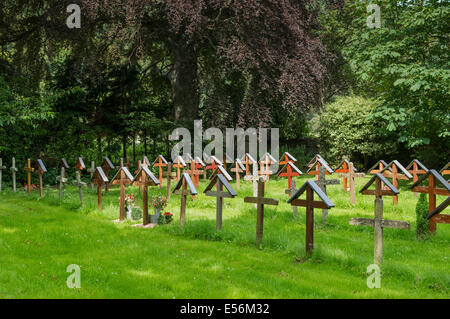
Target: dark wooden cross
[(184, 188), (226, 159), (378, 223), (99, 178), (392, 171), (265, 162), (62, 180), (260, 201), (325, 203), (178, 163), (286, 158), (128, 164), (214, 163), (91, 171), (40, 170), (351, 175), (238, 169), (13, 173), (160, 162), (107, 166), (123, 177), (248, 160), (416, 168), (323, 182), (146, 178), (1, 171), (315, 167), (221, 182), (29, 169), (434, 178), (289, 170)]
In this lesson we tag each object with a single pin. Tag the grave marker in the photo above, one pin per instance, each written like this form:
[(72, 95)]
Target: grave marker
[(254, 178), (13, 173), (315, 167), (80, 185), (325, 203), (199, 165), (40, 170), (416, 168), (289, 170), (107, 166), (351, 175), (170, 176), (238, 169), (392, 171), (123, 177), (92, 170), (265, 162), (178, 163), (79, 166), (248, 160), (445, 170), (291, 191), (214, 162), (343, 168), (160, 162), (226, 160), (260, 201), (29, 169), (63, 163), (432, 190), (146, 178), (287, 158), (61, 179), (181, 189), (221, 182), (378, 223), (99, 178)]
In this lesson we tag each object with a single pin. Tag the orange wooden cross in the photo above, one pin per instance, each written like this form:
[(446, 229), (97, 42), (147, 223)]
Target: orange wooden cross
[(265, 162), (286, 158), (79, 165), (248, 160), (351, 175), (392, 171), (238, 169), (160, 162), (325, 203), (416, 168), (343, 167), (445, 170), (179, 163), (314, 167), (29, 169), (195, 173), (289, 170), (214, 162), (432, 190)]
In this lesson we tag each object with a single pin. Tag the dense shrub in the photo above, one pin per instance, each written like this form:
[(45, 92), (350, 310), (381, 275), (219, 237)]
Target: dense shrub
[(422, 230)]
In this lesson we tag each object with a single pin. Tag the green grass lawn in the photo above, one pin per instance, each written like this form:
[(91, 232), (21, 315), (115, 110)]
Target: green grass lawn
[(39, 238)]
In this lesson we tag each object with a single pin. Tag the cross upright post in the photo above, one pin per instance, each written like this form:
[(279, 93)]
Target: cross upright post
[(13, 173), (323, 182)]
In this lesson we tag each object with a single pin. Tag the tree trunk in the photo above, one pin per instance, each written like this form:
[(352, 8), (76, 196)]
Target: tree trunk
[(124, 146), (185, 92), (145, 142)]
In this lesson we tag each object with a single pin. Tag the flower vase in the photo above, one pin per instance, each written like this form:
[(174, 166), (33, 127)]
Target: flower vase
[(154, 218), (129, 209)]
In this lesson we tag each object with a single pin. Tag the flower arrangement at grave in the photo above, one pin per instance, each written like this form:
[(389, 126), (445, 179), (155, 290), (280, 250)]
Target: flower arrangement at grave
[(165, 218), (133, 213), (158, 203)]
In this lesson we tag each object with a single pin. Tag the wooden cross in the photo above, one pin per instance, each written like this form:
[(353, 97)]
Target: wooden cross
[(61, 179), (123, 177), (181, 189), (128, 164), (80, 185), (107, 166), (199, 165), (436, 213), (194, 173), (1, 170), (313, 161), (91, 170), (13, 173), (238, 169), (432, 190), (179, 163), (226, 160), (320, 162), (255, 179), (378, 168), (325, 203), (214, 163), (323, 182), (79, 166), (260, 201), (351, 175), (291, 191), (160, 162), (40, 170), (220, 181), (248, 160), (265, 162), (289, 170), (99, 178), (287, 158), (343, 167), (378, 223), (29, 169), (392, 171), (170, 176), (146, 178), (416, 168)]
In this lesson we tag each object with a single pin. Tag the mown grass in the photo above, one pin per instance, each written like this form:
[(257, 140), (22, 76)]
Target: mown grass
[(39, 238)]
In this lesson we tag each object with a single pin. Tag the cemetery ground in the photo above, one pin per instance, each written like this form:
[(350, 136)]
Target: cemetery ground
[(39, 238)]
